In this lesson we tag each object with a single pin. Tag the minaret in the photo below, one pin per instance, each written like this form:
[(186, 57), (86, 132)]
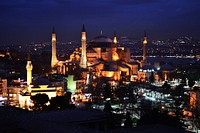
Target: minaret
[(29, 68), (114, 49), (145, 47), (115, 39), (83, 61), (53, 57)]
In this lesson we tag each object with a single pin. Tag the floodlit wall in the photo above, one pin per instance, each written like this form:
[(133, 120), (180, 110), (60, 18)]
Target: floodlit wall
[(71, 84)]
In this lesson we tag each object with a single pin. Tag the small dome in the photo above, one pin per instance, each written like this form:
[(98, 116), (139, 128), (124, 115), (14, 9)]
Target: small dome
[(102, 39)]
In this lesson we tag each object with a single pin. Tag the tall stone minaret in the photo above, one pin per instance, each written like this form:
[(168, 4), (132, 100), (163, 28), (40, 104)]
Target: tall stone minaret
[(115, 38), (53, 56), (29, 68), (145, 47), (83, 61)]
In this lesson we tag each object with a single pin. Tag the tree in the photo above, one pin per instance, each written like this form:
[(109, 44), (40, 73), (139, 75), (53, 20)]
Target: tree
[(120, 92), (191, 83), (155, 117), (128, 122), (107, 107), (59, 103), (132, 97), (166, 86), (179, 90), (39, 101), (151, 78), (107, 91)]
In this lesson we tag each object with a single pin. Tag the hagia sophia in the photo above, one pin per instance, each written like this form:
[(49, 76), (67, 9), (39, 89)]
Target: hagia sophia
[(102, 56)]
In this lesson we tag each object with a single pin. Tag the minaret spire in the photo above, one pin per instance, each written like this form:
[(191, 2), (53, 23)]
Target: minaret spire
[(53, 30), (144, 47), (115, 56), (83, 61), (53, 55), (115, 38), (83, 29), (29, 57), (29, 68), (101, 33)]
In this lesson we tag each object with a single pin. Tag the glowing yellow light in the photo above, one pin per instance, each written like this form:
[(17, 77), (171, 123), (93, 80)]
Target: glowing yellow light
[(107, 73), (115, 40), (84, 35), (115, 56), (145, 41), (115, 77), (53, 37), (165, 76)]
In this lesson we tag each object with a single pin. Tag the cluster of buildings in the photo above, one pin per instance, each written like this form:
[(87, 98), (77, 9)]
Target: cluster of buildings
[(104, 57), (101, 58)]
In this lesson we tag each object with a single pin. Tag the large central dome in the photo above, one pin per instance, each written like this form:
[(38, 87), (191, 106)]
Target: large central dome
[(102, 39)]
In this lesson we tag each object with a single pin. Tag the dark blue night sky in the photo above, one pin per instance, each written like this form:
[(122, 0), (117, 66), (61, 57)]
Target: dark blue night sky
[(32, 20)]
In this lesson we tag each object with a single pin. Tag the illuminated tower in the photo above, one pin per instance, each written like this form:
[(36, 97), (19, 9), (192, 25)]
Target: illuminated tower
[(145, 47), (83, 62), (53, 57), (29, 68), (115, 56), (115, 38)]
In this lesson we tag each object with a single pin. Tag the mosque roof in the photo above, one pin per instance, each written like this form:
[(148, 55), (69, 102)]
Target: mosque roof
[(96, 63), (102, 39), (123, 65), (90, 50), (110, 66)]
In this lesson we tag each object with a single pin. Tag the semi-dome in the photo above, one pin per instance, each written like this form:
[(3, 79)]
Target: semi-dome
[(102, 39)]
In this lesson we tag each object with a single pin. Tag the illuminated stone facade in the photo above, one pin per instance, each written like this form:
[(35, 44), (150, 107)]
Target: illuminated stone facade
[(195, 100), (54, 57), (102, 57), (29, 68), (144, 48), (106, 59), (3, 87), (83, 61)]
